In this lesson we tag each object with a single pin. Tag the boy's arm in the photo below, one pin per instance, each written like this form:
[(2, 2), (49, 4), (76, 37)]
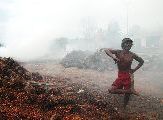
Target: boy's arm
[(111, 53), (141, 62)]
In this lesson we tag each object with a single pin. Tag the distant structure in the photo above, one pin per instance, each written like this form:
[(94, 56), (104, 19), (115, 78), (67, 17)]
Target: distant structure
[(152, 41), (100, 38), (1, 45)]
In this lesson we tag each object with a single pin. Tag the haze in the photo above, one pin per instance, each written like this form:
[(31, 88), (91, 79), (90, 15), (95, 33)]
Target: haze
[(29, 27)]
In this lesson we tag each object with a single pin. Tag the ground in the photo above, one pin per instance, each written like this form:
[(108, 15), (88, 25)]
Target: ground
[(148, 83)]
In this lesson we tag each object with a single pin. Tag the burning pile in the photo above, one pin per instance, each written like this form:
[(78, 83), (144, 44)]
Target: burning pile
[(101, 62), (23, 96), (10, 69), (75, 59), (97, 61)]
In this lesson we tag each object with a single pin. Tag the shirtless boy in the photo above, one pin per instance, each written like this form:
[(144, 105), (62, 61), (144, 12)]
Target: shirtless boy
[(123, 58)]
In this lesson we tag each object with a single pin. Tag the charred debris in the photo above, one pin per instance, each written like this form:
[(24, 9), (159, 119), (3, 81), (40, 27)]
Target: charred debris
[(29, 96)]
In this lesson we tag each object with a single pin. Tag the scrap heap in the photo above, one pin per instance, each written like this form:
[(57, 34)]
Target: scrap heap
[(81, 59), (101, 62), (25, 95), (30, 96)]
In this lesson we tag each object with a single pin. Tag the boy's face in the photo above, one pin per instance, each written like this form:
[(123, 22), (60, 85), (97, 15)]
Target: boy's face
[(127, 45)]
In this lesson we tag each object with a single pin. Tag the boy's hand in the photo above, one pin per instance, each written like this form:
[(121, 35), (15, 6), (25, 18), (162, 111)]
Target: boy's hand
[(116, 60), (132, 71)]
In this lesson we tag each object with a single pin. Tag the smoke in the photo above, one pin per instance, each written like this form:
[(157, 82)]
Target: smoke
[(29, 28)]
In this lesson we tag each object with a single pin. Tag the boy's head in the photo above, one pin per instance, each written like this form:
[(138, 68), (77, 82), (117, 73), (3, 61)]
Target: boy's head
[(126, 44)]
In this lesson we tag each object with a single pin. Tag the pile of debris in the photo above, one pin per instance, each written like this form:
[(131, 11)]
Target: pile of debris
[(101, 62), (10, 69), (80, 59), (75, 59), (30, 96), (22, 96)]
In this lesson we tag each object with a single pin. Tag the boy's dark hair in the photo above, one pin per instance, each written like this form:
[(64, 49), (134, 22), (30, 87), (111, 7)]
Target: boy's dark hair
[(126, 40)]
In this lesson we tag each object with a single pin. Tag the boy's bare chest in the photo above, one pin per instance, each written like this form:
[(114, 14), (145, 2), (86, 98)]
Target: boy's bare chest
[(125, 57)]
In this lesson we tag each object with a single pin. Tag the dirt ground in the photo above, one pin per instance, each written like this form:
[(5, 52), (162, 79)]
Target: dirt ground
[(148, 83)]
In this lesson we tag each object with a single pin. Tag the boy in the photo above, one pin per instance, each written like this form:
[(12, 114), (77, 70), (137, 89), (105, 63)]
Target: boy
[(123, 58)]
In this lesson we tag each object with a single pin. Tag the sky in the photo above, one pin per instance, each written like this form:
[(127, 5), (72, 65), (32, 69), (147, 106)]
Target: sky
[(28, 26)]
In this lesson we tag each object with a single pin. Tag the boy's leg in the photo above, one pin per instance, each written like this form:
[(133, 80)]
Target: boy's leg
[(132, 85), (117, 87), (126, 99), (132, 81), (116, 90), (127, 96)]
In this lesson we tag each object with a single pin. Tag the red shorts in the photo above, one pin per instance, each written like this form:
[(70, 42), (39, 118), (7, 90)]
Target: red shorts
[(123, 81)]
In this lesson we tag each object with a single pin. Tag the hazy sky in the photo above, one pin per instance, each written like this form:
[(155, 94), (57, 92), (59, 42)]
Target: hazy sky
[(27, 26)]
